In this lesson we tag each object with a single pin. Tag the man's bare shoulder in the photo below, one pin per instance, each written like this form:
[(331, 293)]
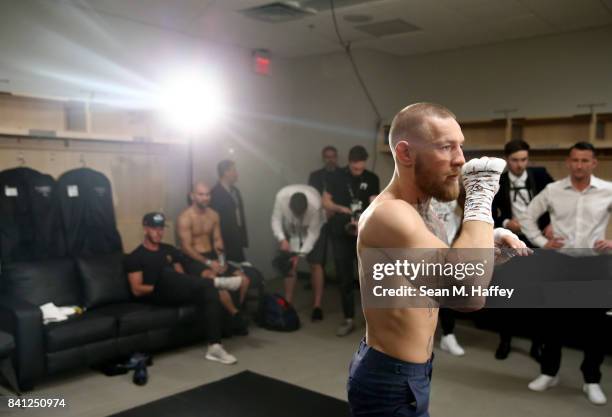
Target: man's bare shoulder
[(391, 207), (389, 223), (212, 214), (185, 216)]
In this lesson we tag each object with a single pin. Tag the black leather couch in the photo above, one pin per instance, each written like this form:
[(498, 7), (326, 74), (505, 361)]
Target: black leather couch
[(113, 324)]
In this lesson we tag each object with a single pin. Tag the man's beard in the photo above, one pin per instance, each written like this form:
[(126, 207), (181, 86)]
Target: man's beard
[(330, 166), (202, 206), (427, 182)]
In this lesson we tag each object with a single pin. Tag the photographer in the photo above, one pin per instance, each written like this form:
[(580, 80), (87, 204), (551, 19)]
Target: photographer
[(349, 192), (296, 223)]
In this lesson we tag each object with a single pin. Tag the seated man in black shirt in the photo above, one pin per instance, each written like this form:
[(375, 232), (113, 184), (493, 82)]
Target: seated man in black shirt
[(156, 275), (349, 192)]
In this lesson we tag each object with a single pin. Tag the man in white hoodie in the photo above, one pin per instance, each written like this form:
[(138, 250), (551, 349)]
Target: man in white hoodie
[(296, 222)]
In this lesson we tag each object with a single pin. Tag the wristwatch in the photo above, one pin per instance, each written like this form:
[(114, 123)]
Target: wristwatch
[(208, 262)]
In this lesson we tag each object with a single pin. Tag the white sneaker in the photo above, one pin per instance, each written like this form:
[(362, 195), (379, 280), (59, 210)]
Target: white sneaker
[(345, 328), (543, 382), (228, 283), (216, 353), (595, 394), (449, 344)]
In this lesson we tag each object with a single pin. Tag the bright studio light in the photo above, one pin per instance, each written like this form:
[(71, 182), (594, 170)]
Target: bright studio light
[(190, 102)]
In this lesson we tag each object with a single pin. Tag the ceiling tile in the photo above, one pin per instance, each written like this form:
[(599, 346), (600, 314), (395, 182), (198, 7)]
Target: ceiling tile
[(444, 24), (171, 15), (571, 14)]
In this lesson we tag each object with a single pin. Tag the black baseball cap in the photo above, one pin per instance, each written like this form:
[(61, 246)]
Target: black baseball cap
[(154, 219)]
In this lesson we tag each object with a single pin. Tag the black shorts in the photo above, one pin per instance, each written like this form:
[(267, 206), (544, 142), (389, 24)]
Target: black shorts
[(319, 250), (196, 267)]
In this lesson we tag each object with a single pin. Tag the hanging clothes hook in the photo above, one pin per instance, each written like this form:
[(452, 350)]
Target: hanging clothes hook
[(21, 159), (82, 161)]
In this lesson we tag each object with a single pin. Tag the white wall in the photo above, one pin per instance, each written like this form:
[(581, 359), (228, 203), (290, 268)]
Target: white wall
[(328, 96), (540, 77)]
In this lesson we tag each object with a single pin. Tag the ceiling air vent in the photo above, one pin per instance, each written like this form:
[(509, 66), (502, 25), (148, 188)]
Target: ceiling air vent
[(321, 5), (278, 12), (285, 11), (388, 27)]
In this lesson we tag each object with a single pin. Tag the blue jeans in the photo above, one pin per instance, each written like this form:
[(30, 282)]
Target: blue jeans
[(381, 386)]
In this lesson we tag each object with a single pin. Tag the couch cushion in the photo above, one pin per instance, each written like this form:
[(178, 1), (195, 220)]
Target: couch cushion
[(41, 282), (82, 356), (104, 280), (133, 318), (79, 330), (187, 313), (7, 344)]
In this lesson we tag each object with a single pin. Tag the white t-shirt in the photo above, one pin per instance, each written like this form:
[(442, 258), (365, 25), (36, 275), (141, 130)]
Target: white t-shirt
[(301, 233)]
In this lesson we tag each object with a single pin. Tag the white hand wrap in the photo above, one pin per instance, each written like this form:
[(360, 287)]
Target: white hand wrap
[(481, 182), (499, 233)]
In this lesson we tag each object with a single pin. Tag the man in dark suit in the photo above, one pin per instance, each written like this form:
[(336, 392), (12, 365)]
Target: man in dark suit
[(517, 187), (227, 202), (319, 178)]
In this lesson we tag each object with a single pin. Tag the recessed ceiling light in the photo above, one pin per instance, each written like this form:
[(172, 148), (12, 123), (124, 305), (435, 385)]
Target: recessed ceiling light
[(357, 18)]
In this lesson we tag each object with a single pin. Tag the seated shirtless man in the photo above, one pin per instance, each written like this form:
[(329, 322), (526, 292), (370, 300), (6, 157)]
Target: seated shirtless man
[(200, 236), (391, 371)]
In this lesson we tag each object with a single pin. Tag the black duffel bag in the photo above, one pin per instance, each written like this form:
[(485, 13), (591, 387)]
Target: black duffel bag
[(275, 313)]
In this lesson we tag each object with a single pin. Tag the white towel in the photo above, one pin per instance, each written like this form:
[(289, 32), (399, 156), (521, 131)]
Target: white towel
[(52, 313)]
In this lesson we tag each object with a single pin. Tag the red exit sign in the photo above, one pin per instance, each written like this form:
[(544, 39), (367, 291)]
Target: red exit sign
[(261, 62)]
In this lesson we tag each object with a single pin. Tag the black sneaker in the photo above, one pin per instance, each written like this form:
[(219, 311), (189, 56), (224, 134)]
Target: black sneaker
[(141, 376), (317, 314), (503, 350), (239, 325)]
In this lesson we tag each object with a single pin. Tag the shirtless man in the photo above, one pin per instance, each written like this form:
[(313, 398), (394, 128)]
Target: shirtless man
[(391, 371), (200, 236)]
